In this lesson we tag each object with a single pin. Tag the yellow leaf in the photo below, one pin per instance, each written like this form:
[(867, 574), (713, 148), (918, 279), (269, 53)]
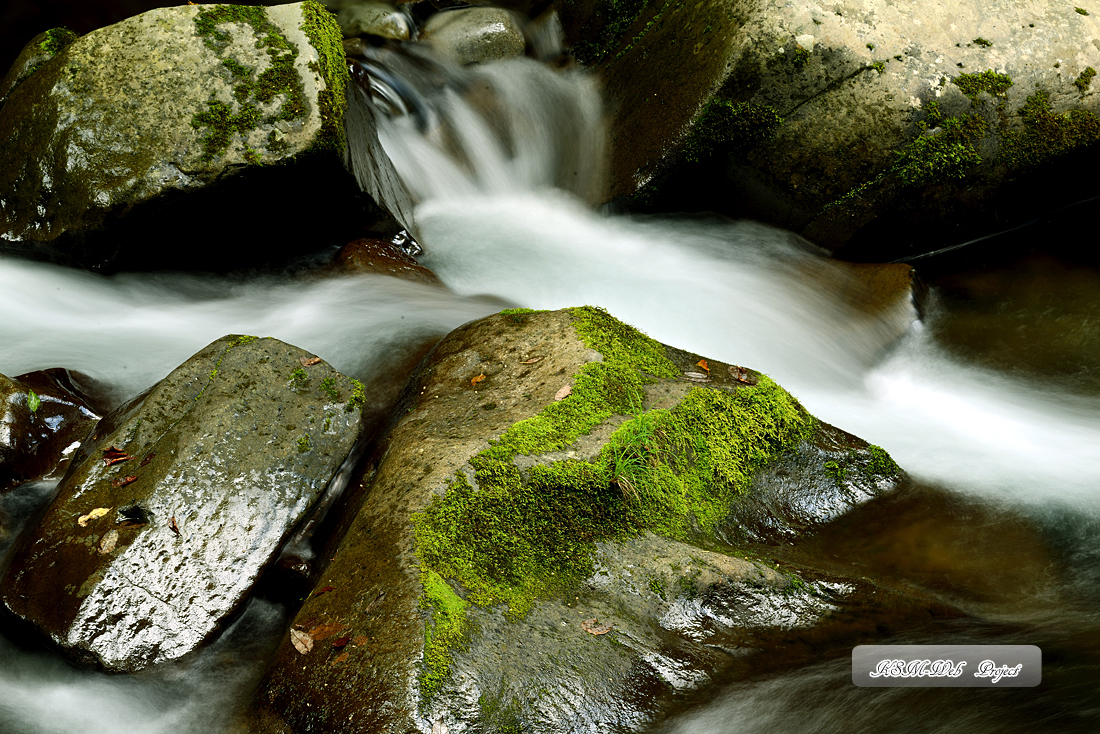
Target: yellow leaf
[(702, 363), (93, 515), (477, 379)]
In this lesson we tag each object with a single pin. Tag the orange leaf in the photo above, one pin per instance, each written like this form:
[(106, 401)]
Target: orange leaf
[(477, 379), (113, 456), (593, 627), (702, 363), (122, 481), (309, 361)]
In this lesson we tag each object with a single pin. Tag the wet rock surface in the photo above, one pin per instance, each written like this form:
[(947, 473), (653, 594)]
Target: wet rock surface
[(644, 619), (182, 498), (380, 257), (206, 118), (375, 19), (474, 35), (852, 125), (43, 418)]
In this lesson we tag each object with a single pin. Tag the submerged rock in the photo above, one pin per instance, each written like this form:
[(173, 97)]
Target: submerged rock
[(861, 126), (475, 35), (234, 105), (43, 418), (541, 544), (375, 19), (182, 498)]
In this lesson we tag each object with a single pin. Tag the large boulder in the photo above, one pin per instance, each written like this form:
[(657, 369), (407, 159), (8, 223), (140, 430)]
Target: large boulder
[(181, 500), (873, 129), (543, 540), (234, 105), (43, 418)]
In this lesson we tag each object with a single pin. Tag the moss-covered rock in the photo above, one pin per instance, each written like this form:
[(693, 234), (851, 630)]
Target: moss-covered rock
[(819, 118), (544, 531), (37, 52), (180, 500), (235, 105)]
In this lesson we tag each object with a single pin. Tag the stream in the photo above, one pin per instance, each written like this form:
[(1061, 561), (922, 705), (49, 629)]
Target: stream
[(1004, 521)]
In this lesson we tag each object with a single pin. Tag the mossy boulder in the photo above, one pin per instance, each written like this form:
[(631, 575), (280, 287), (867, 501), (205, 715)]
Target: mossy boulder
[(179, 502), (873, 130), (238, 107), (43, 418), (542, 543)]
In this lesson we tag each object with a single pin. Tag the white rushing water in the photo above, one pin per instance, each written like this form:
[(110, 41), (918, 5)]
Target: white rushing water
[(492, 225)]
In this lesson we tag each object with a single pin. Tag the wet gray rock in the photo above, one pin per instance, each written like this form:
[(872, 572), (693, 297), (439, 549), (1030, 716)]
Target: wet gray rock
[(471, 633), (43, 418), (181, 499), (697, 91), (474, 35), (104, 140), (374, 19)]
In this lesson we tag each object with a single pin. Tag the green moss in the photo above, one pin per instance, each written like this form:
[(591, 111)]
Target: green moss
[(358, 396), (800, 57), (517, 316), (510, 537), (1081, 11), (730, 127), (1082, 82), (304, 445), (982, 42), (835, 470), (328, 387), (657, 586), (948, 154), (612, 19), (879, 66), (298, 379), (1046, 135), (325, 36), (446, 631), (987, 81), (881, 464), (56, 39)]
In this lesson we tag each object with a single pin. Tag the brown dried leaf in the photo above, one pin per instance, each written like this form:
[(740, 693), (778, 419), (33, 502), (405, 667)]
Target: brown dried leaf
[(108, 541), (95, 514), (175, 528), (339, 658), (302, 642), (341, 642), (323, 631), (477, 379), (309, 361), (742, 375), (122, 481), (325, 590), (112, 456), (148, 457), (532, 360), (563, 393), (593, 627)]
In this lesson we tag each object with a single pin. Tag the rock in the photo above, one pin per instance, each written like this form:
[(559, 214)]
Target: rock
[(37, 52), (374, 19), (383, 258), (235, 105), (39, 434), (181, 500), (568, 573), (474, 35), (873, 130)]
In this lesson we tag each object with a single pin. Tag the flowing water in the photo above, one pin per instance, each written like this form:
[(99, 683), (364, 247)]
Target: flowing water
[(501, 162)]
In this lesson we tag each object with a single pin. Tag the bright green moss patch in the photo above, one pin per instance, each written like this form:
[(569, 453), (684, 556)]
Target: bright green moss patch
[(325, 36), (510, 536), (358, 396), (1081, 11), (447, 631), (948, 154), (987, 81), (56, 39), (730, 127), (1085, 79), (1046, 135)]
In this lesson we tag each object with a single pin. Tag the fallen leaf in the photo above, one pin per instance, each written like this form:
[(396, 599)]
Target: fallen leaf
[(532, 360), (33, 401), (702, 363), (302, 642), (93, 515), (122, 481), (477, 379), (340, 642), (696, 376), (148, 457), (359, 640), (593, 627), (323, 631), (306, 624), (325, 590), (438, 727), (309, 361), (563, 393), (108, 541), (339, 658), (112, 456), (175, 528), (742, 375)]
